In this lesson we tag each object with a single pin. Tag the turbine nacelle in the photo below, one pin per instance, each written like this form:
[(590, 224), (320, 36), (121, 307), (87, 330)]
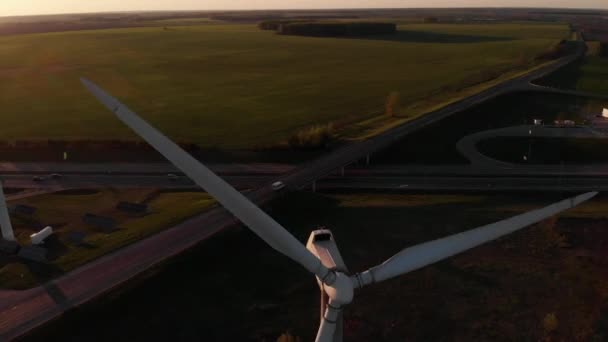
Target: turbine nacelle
[(321, 243)]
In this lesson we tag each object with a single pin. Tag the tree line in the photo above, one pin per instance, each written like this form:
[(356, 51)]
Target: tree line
[(328, 29)]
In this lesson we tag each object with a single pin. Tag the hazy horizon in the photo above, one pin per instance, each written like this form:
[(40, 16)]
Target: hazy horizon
[(46, 7)]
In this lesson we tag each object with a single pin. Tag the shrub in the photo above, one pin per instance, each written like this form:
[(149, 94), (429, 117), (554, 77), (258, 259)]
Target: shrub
[(391, 108), (558, 50), (314, 137), (287, 337), (594, 48), (550, 323)]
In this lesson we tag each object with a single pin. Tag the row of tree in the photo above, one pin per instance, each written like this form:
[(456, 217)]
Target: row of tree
[(328, 29), (561, 49)]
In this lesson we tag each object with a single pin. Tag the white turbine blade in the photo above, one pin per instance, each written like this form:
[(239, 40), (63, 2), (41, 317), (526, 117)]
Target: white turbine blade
[(257, 220), (327, 329), (419, 256), (5, 219)]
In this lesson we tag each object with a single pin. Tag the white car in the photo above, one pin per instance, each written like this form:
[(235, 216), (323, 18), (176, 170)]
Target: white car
[(276, 186), (172, 176)]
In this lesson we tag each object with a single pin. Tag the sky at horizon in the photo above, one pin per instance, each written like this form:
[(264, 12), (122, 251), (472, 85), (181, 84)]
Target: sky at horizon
[(34, 7)]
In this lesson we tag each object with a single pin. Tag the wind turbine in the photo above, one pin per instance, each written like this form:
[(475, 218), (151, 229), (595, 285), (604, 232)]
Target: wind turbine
[(5, 219), (322, 257)]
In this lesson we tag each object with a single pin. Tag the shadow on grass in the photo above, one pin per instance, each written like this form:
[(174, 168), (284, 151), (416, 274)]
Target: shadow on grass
[(42, 272), (565, 78), (433, 37), (55, 247)]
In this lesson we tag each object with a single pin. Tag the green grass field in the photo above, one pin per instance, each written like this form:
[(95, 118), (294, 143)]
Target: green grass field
[(590, 75), (64, 211), (235, 86), (502, 291)]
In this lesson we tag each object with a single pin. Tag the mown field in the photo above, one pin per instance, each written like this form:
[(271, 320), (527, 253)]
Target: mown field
[(64, 211), (547, 282), (234, 86)]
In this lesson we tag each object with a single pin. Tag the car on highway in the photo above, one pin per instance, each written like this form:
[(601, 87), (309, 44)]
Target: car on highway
[(276, 186), (56, 176), (172, 176), (38, 178)]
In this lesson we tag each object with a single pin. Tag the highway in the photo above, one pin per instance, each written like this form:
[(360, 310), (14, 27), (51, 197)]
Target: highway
[(91, 177), (7, 168), (21, 311), (124, 181), (505, 169), (485, 184), (356, 180), (140, 176)]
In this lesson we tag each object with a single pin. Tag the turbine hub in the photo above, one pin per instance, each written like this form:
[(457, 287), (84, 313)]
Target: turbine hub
[(341, 292)]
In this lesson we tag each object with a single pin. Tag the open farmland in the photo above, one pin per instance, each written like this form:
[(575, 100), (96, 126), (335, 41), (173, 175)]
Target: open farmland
[(234, 86), (502, 291)]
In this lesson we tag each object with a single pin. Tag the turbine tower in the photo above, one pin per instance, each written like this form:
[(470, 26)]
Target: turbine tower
[(5, 219), (321, 257)]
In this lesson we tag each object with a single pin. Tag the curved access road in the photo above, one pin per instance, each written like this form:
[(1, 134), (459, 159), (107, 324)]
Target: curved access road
[(570, 92), (467, 146)]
